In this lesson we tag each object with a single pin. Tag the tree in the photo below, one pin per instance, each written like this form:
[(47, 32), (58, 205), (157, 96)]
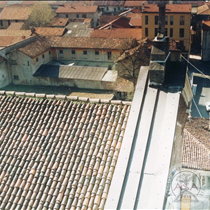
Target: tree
[(130, 61), (41, 15)]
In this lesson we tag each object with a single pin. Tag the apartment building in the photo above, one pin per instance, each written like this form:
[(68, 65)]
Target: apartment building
[(177, 22)]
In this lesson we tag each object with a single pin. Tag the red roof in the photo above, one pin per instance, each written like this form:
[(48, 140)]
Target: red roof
[(76, 9), (170, 8), (206, 24), (135, 33), (136, 21), (120, 22), (133, 3), (15, 12)]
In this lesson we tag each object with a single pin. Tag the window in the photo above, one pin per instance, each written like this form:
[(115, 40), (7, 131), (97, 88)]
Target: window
[(77, 15), (146, 32), (84, 52), (156, 20), (96, 52), (1, 22), (37, 59), (16, 77), (61, 51), (49, 52), (84, 16), (28, 63), (67, 16), (109, 55), (181, 32), (73, 52), (156, 31), (16, 21), (43, 56), (8, 22), (146, 20), (171, 20), (171, 32), (107, 8), (118, 8), (181, 20), (166, 20), (114, 9), (166, 32)]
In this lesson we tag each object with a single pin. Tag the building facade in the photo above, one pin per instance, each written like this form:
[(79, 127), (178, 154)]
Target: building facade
[(177, 22)]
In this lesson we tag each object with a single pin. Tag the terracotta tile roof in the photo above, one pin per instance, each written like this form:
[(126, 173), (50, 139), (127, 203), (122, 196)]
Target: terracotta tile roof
[(36, 48), (109, 3), (136, 21), (9, 40), (15, 26), (58, 154), (203, 10), (196, 144), (107, 18), (129, 3), (75, 9), (87, 42), (60, 22), (47, 31), (134, 33), (206, 24), (6, 32), (134, 15), (15, 12), (170, 8), (119, 22)]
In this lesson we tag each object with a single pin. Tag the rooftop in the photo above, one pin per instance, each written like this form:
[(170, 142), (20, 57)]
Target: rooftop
[(71, 72), (196, 144), (206, 24), (87, 42), (36, 48), (109, 3), (15, 26), (76, 9), (60, 22), (135, 33), (136, 21), (15, 12), (9, 40), (50, 31), (203, 10), (58, 154), (170, 8), (14, 32), (129, 3)]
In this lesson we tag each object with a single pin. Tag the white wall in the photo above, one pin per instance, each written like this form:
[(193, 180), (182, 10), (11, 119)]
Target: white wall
[(26, 66), (4, 75)]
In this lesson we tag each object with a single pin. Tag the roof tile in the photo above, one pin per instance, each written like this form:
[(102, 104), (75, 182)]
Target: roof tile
[(68, 165)]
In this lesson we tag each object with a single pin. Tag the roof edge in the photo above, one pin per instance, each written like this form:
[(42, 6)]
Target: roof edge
[(64, 97)]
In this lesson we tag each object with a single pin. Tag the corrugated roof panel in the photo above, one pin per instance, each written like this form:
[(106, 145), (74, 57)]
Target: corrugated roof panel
[(82, 72)]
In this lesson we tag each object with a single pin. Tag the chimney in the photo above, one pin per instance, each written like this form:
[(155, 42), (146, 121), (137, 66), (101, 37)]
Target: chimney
[(160, 51), (161, 21), (142, 6)]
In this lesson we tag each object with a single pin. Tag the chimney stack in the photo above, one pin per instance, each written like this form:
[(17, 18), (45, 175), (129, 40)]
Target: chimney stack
[(160, 50), (161, 21)]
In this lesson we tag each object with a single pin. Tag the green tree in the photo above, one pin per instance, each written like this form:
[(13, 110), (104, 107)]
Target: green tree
[(41, 15)]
